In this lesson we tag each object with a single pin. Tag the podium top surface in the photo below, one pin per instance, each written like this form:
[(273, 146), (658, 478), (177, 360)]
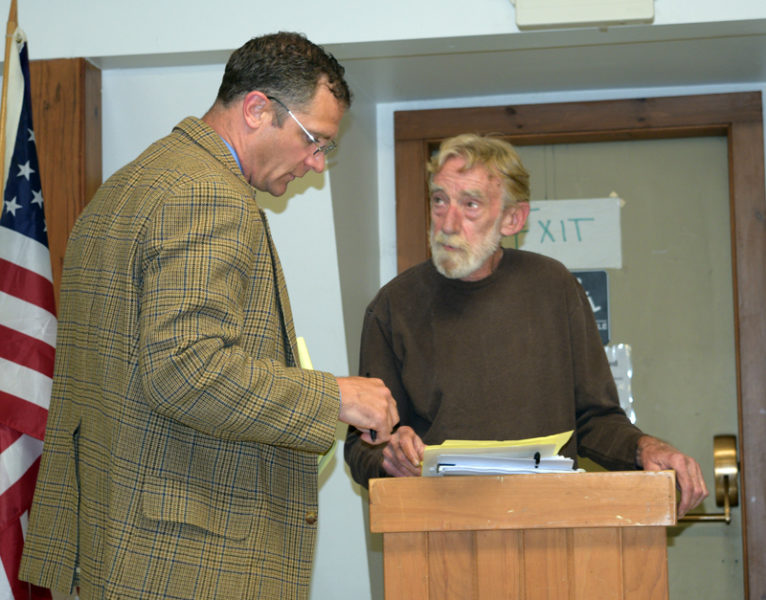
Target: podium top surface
[(616, 499)]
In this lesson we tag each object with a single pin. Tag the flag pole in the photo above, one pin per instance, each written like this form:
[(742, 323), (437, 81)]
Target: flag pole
[(9, 32)]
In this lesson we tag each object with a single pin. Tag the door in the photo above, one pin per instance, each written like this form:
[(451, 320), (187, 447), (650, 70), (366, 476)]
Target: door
[(736, 118), (672, 303)]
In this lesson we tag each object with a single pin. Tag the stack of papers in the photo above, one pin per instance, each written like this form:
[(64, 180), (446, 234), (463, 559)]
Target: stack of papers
[(471, 457)]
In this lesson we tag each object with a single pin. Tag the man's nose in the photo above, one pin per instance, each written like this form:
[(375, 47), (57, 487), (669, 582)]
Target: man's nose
[(452, 219), (316, 161)]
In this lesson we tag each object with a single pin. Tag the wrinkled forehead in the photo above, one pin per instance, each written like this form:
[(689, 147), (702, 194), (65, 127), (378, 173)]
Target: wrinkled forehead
[(456, 174)]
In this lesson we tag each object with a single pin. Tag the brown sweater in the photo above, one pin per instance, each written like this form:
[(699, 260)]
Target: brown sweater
[(512, 356)]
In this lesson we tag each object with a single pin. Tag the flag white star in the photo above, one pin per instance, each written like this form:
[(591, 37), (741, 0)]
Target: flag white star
[(37, 197), (31, 136), (11, 206), (25, 170)]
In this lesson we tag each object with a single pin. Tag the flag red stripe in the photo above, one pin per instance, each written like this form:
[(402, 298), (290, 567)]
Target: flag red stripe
[(22, 415), (18, 497), (8, 435), (26, 285), (15, 501), (25, 350)]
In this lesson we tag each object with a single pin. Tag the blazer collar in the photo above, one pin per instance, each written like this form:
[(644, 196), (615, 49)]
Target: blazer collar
[(207, 137)]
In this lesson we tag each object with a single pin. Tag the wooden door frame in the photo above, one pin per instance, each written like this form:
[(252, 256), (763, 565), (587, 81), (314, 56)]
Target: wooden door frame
[(738, 117)]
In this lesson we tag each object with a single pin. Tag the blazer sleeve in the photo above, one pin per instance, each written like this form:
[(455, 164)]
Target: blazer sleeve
[(214, 348)]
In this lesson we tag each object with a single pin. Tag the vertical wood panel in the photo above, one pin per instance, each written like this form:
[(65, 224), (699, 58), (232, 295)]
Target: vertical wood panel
[(597, 568), (66, 107), (645, 563), (405, 565), (499, 561), (546, 564), (452, 565), (534, 564)]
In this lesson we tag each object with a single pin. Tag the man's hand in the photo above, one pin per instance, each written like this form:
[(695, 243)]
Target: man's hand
[(404, 453), (656, 455), (367, 404)]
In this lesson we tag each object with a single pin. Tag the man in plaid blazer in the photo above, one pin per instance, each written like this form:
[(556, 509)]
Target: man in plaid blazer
[(180, 459)]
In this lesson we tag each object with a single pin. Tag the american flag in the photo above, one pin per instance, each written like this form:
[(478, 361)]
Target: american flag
[(27, 325)]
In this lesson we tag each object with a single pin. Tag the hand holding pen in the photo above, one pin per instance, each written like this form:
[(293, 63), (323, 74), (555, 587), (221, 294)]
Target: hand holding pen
[(367, 404)]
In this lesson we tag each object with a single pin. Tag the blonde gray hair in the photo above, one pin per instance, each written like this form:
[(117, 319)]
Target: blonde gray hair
[(496, 155)]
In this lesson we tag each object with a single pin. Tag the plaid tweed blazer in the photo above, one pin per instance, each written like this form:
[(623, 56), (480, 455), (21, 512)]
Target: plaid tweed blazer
[(180, 458)]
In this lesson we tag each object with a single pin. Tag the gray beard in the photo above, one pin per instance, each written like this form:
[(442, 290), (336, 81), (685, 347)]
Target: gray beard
[(461, 263)]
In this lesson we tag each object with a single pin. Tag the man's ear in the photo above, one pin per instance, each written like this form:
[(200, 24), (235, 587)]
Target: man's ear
[(255, 109), (514, 218)]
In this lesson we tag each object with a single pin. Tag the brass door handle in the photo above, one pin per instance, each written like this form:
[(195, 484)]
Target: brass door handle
[(726, 470)]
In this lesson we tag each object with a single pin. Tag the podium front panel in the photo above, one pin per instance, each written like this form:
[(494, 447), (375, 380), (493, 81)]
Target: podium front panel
[(536, 564)]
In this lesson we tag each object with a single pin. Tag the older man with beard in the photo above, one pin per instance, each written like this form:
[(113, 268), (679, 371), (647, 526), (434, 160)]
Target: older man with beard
[(487, 343)]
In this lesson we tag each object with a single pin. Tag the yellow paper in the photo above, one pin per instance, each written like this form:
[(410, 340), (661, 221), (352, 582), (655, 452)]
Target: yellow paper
[(304, 360), (556, 441)]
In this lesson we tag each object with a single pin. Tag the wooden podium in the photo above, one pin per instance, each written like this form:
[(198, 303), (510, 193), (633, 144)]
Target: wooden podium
[(580, 536)]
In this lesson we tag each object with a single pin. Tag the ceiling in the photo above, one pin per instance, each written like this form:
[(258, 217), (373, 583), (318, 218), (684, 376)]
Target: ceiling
[(723, 53), (733, 53)]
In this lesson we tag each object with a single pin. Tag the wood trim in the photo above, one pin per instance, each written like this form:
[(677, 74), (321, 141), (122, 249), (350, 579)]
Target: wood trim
[(412, 221), (748, 222), (541, 120), (739, 117), (66, 105)]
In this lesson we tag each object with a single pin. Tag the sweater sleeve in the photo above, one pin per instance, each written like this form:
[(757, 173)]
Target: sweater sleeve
[(377, 358), (604, 432)]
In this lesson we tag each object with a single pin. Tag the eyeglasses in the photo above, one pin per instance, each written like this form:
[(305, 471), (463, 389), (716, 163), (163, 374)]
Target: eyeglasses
[(324, 149)]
